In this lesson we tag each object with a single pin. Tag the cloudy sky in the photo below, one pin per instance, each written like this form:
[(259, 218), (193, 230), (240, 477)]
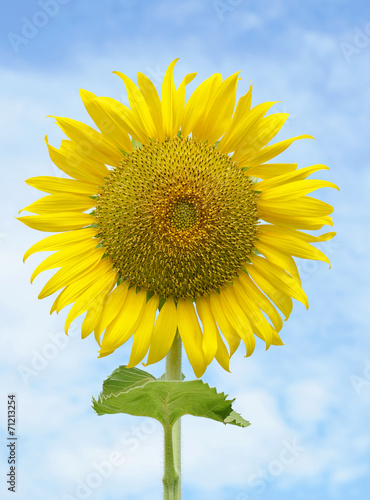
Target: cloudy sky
[(308, 401)]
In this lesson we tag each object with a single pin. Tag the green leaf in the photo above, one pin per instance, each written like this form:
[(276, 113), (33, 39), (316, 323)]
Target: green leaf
[(136, 392), (236, 419)]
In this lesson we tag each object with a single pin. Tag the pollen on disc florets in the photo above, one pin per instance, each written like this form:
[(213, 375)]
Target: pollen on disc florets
[(177, 218)]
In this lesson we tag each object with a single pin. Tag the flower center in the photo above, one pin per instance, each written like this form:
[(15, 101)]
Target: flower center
[(177, 218), (184, 215)]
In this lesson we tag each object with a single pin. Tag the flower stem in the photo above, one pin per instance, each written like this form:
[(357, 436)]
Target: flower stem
[(172, 435)]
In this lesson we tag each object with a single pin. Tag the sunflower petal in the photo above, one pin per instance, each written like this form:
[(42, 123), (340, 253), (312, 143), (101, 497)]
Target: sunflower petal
[(278, 278), (255, 295), (51, 184), (111, 308), (71, 273), (138, 106), (270, 170), (63, 221), (191, 335), (222, 356), (82, 134), (242, 132), (197, 103), (210, 330), (256, 157), (220, 111), (153, 102), (67, 256), (277, 296), (104, 120), (61, 240), (228, 331), (290, 245), (93, 296), (78, 162), (144, 332), (237, 318), (164, 332), (294, 190), (282, 260), (126, 322), (124, 117), (258, 322), (76, 288), (286, 177), (54, 203)]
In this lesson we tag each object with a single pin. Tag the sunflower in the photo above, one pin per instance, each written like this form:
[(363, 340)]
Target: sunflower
[(171, 220)]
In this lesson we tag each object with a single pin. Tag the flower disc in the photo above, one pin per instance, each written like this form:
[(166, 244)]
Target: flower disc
[(177, 218)]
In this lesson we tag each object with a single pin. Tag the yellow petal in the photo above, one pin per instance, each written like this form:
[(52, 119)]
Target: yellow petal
[(242, 132), (220, 111), (61, 185), (164, 332), (228, 331), (144, 332), (293, 190), (92, 317), (67, 256), (285, 232), (191, 335), (256, 157), (277, 296), (242, 108), (78, 162), (222, 355), (260, 300), (168, 98), (237, 318), (112, 306), (268, 128), (126, 322), (179, 107), (282, 260), (71, 273), (290, 221), (300, 207), (82, 134), (210, 330), (285, 177), (56, 203), (258, 322), (93, 295), (197, 103), (76, 288), (110, 128), (289, 244), (124, 117), (279, 278), (271, 170), (64, 221), (61, 240), (153, 102), (138, 106)]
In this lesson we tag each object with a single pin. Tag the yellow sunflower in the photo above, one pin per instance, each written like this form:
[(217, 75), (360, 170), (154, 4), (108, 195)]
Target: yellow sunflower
[(160, 227)]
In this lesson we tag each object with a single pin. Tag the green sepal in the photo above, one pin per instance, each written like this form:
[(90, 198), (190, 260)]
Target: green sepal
[(136, 392)]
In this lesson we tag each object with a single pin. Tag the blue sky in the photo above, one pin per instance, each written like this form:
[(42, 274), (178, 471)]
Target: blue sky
[(311, 396)]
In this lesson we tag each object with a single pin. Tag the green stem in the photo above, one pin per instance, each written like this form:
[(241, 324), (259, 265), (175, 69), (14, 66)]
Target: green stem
[(172, 435)]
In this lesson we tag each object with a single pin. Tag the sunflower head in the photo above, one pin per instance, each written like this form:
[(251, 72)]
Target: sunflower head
[(192, 230)]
